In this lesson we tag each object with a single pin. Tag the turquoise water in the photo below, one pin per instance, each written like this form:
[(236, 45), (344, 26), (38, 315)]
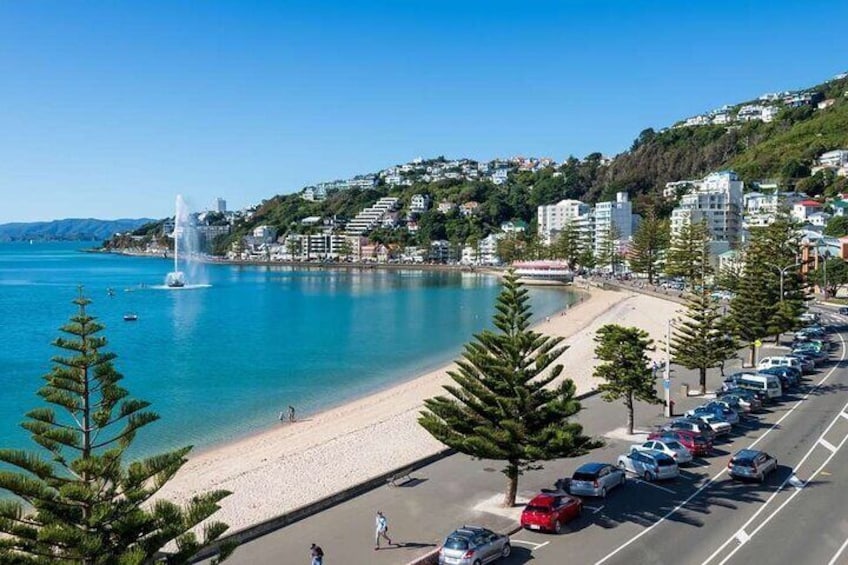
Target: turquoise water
[(220, 362)]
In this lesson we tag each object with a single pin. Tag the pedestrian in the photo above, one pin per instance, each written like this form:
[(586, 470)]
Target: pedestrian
[(382, 530), (291, 413), (655, 368), (317, 555)]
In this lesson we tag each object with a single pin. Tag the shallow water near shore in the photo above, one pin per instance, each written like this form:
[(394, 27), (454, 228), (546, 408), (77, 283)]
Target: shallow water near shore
[(223, 360)]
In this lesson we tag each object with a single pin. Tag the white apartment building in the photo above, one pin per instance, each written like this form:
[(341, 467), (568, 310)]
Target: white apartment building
[(718, 201), (419, 203), (314, 193), (617, 214), (554, 217), (500, 176), (220, 205), (487, 250), (371, 217)]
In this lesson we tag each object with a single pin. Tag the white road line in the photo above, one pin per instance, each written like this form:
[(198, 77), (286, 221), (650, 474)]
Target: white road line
[(844, 415), (742, 536), (650, 484), (827, 445), (785, 502), (838, 553), (795, 481), (778, 491), (593, 509), (715, 477), (533, 545)]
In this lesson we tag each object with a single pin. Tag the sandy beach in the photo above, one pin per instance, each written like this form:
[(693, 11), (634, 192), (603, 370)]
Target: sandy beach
[(292, 465)]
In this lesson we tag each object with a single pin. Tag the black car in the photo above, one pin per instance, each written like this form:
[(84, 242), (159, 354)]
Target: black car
[(843, 310)]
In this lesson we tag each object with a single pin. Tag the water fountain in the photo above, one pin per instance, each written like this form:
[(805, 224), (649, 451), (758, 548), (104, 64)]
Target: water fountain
[(185, 249)]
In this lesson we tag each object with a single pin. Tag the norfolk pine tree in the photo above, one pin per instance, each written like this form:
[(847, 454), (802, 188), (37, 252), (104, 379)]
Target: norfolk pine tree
[(76, 501), (568, 245), (689, 252), (505, 405), (607, 252), (625, 368), (700, 341), (650, 242)]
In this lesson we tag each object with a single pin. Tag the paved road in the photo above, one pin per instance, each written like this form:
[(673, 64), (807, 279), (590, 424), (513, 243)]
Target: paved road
[(695, 519)]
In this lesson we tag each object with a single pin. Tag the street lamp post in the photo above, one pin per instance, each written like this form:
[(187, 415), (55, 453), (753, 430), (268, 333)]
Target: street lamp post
[(782, 271), (667, 369)]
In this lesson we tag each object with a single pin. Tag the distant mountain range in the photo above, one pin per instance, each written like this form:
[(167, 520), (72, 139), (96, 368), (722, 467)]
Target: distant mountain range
[(70, 229)]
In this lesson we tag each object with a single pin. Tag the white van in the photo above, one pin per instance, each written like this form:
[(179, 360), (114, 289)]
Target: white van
[(769, 362), (769, 384)]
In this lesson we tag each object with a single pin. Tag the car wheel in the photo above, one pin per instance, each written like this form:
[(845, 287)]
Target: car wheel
[(507, 549), (478, 562), (603, 492), (558, 527), (647, 476)]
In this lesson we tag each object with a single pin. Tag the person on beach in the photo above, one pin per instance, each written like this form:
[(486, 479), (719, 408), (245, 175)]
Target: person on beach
[(291, 413), (382, 530), (317, 554)]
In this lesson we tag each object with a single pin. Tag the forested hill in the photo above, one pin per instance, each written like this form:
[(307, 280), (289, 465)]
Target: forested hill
[(782, 150), (71, 229)]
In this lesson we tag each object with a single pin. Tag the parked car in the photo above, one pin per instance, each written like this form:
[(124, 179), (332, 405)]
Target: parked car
[(740, 402), (793, 375), (595, 479), (694, 442), (717, 408), (473, 545), (717, 423), (843, 310), (692, 425), (751, 464), (778, 361), (651, 465), (670, 447), (808, 364), (550, 511)]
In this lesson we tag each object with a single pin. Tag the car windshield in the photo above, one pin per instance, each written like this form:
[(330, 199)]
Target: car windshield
[(674, 445), (456, 543), (578, 476), (534, 508), (744, 462), (664, 461)]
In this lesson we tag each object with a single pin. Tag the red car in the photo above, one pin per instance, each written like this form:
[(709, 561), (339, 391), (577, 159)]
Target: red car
[(695, 443), (550, 511)]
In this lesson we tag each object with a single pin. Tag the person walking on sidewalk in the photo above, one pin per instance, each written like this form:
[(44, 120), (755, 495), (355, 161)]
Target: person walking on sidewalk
[(317, 555), (382, 530)]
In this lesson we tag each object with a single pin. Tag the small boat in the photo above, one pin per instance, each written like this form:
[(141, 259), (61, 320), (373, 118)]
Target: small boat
[(130, 317)]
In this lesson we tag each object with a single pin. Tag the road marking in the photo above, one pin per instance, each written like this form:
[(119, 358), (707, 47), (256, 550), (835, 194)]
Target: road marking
[(533, 545), (829, 446), (650, 484), (795, 481), (785, 502), (844, 415), (715, 477), (742, 536), (594, 509), (838, 553)]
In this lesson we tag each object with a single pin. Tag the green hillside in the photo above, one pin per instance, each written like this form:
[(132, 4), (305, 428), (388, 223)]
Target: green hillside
[(783, 150)]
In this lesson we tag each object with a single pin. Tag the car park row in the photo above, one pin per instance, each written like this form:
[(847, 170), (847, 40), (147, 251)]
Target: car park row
[(681, 441)]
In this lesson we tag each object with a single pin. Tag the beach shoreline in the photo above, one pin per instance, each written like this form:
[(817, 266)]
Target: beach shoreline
[(279, 469)]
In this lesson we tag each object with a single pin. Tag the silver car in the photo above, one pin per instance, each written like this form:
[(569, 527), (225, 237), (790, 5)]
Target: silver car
[(595, 479), (751, 464), (670, 447), (472, 545), (651, 465)]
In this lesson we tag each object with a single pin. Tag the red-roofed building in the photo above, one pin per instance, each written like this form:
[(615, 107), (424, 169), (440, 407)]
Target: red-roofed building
[(802, 210)]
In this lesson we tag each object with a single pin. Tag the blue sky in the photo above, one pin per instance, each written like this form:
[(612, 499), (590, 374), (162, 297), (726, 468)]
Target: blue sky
[(110, 109)]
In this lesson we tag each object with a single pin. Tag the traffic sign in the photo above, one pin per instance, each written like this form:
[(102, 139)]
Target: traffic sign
[(758, 343), (666, 384)]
